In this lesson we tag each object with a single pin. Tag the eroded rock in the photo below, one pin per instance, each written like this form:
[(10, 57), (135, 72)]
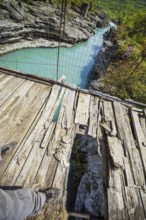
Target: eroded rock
[(90, 190), (20, 21)]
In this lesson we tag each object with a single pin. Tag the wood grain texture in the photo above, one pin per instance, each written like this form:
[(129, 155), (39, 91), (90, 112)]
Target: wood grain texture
[(82, 112), (22, 117), (41, 158)]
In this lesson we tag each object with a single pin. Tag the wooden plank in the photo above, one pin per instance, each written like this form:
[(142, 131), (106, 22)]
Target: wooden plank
[(109, 117), (82, 112), (63, 166), (116, 209), (123, 126), (59, 160), (134, 205), (53, 100), (8, 91), (144, 111), (80, 215), (4, 82), (57, 102), (1, 76), (125, 134), (34, 159), (142, 122), (54, 145), (30, 148), (116, 152), (113, 98), (143, 199), (128, 172), (40, 179), (9, 104), (115, 179), (93, 116), (68, 114), (61, 113), (141, 139), (22, 116), (137, 167)]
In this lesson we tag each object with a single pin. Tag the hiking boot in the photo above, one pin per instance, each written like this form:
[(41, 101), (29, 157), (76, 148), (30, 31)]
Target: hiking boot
[(52, 194)]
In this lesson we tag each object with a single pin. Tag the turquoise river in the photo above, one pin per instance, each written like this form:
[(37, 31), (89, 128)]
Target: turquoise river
[(75, 63)]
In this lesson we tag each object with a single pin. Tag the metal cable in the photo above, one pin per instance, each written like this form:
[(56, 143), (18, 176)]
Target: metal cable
[(62, 17)]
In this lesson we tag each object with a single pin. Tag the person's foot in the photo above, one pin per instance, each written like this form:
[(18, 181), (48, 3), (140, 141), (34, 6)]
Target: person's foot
[(52, 194)]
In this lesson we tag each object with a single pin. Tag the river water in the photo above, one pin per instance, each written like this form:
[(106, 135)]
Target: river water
[(75, 63)]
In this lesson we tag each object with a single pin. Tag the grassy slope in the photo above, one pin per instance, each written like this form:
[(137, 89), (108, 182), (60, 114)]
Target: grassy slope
[(126, 78)]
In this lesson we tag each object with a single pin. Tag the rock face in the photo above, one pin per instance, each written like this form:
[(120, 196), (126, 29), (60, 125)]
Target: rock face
[(105, 56), (21, 21), (90, 195)]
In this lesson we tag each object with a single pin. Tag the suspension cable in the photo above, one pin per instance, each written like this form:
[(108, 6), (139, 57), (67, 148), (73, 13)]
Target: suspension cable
[(61, 34)]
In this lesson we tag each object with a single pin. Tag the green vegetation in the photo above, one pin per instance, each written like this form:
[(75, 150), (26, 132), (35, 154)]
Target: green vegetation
[(126, 76)]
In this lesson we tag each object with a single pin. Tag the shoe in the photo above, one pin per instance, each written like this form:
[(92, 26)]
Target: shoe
[(52, 194)]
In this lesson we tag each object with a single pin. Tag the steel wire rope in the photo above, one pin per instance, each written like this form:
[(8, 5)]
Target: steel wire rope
[(62, 17)]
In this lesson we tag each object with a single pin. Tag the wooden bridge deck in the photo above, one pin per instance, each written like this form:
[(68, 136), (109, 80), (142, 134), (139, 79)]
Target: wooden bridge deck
[(42, 119)]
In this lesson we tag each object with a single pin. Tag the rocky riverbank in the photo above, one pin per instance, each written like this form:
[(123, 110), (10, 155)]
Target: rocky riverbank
[(38, 25), (104, 58)]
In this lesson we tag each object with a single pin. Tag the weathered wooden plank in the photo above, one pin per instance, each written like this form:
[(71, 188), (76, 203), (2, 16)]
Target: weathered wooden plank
[(144, 111), (123, 126), (9, 104), (115, 179), (63, 166), (57, 102), (22, 117), (141, 139), (51, 172), (34, 159), (40, 179), (82, 112), (27, 174), (134, 205), (30, 148), (143, 199), (59, 147), (137, 167), (128, 172), (7, 92), (125, 134), (116, 152), (116, 209), (53, 103), (5, 80), (93, 114), (53, 165), (109, 117), (80, 215), (61, 113), (68, 114), (1, 75), (142, 122)]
